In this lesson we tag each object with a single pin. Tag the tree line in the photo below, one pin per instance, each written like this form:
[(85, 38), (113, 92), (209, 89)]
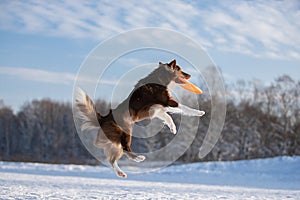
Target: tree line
[(42, 131), (261, 121)]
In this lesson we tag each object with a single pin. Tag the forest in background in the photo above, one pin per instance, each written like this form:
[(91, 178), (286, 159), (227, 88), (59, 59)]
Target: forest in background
[(261, 121)]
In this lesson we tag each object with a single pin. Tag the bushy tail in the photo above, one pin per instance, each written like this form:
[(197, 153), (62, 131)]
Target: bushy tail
[(84, 112)]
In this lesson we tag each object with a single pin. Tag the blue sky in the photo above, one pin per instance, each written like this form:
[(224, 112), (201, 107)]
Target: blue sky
[(42, 44)]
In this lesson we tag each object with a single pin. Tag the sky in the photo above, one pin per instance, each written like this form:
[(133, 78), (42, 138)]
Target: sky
[(43, 44)]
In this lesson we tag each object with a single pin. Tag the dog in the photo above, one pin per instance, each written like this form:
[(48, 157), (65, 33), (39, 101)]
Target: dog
[(150, 98)]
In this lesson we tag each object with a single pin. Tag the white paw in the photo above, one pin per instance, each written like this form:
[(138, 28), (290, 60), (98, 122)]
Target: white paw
[(121, 174), (139, 158), (200, 113), (173, 129)]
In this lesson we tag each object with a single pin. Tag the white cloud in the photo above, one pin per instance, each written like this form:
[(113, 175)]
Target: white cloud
[(43, 76), (38, 75), (96, 20), (257, 28)]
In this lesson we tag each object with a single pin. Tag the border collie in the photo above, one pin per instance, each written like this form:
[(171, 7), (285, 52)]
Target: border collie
[(150, 98)]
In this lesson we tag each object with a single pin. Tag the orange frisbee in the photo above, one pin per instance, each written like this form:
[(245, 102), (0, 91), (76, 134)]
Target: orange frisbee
[(191, 87)]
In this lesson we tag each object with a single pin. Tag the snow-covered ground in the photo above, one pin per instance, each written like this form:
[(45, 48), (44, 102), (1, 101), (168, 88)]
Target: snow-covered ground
[(274, 178)]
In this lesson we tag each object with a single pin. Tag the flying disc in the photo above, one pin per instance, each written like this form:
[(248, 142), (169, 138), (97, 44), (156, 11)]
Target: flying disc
[(191, 87)]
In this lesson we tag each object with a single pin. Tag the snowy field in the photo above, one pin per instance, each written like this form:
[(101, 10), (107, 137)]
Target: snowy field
[(276, 178)]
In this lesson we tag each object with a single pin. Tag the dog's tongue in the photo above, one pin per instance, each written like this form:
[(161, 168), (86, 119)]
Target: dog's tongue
[(190, 86)]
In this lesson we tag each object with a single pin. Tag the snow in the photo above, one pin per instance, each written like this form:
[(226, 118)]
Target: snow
[(272, 178)]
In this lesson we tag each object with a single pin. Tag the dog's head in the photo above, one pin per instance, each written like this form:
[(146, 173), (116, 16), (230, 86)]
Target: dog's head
[(175, 72)]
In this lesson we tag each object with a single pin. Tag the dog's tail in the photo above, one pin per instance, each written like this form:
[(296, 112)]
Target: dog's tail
[(85, 113)]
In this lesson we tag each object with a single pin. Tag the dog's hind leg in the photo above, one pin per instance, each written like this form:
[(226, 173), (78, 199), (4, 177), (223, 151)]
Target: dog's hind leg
[(117, 169), (134, 157), (125, 142), (185, 110), (113, 153)]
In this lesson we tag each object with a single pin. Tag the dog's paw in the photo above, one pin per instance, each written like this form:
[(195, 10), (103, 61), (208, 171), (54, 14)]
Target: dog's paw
[(173, 129), (200, 113), (121, 174), (140, 158)]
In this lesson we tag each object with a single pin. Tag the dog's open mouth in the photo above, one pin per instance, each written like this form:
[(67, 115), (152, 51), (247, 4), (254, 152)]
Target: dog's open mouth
[(181, 80), (184, 83)]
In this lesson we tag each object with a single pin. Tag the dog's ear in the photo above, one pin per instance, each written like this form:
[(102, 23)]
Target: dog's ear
[(172, 64)]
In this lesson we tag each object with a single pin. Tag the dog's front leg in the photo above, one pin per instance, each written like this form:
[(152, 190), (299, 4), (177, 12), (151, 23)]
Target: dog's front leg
[(167, 120), (185, 110), (159, 111)]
